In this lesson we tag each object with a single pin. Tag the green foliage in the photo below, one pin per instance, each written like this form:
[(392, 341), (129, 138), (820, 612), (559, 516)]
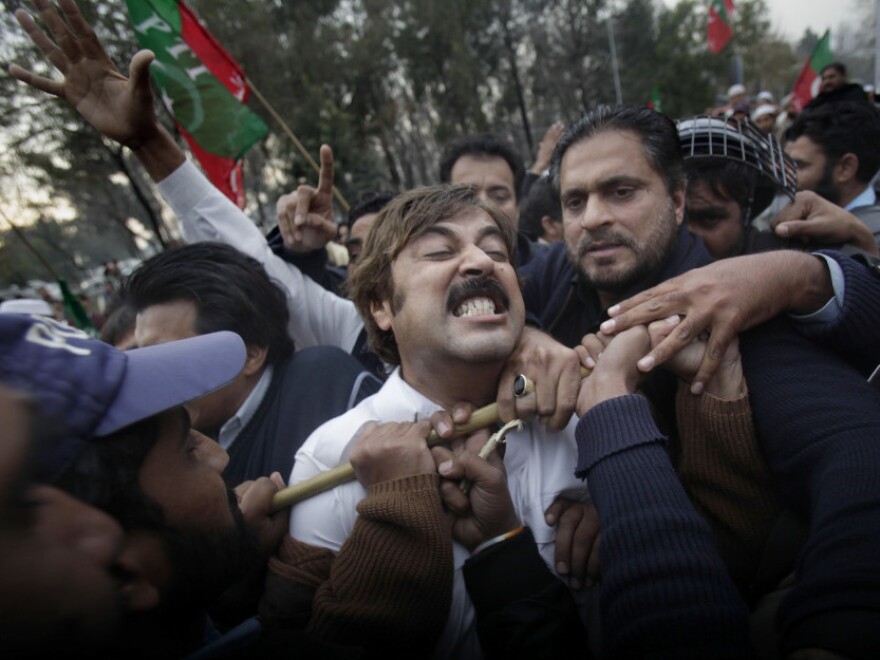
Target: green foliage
[(386, 84)]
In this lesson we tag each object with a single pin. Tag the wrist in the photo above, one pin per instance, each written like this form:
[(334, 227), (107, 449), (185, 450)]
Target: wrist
[(813, 289), (728, 383), (158, 152), (600, 387)]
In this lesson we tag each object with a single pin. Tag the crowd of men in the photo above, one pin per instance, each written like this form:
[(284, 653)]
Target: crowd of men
[(592, 409)]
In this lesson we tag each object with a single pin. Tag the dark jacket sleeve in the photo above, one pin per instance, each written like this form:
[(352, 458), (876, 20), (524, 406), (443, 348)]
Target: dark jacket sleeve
[(523, 610), (665, 593), (857, 331), (818, 423)]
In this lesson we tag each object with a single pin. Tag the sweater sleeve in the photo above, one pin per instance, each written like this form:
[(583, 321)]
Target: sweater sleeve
[(665, 593), (390, 587), (721, 467)]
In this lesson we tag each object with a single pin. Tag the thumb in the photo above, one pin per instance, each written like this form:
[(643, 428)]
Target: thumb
[(789, 229), (139, 71)]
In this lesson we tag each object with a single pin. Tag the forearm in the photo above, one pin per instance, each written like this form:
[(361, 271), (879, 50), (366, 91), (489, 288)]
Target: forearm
[(390, 587), (805, 281), (317, 316)]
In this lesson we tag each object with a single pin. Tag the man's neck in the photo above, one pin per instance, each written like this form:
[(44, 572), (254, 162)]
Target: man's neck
[(849, 193), (450, 383)]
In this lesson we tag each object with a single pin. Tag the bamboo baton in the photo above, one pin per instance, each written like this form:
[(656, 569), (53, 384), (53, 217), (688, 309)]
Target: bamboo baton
[(481, 418)]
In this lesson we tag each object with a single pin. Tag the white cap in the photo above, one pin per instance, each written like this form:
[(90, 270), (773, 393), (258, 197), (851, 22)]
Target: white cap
[(869, 88), (766, 96), (736, 90), (26, 306), (765, 109)]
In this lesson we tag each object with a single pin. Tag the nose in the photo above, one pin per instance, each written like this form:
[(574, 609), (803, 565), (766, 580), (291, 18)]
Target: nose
[(474, 261), (211, 453), (596, 213)]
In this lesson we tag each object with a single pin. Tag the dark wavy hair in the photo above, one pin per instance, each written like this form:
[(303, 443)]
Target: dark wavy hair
[(657, 132), (843, 128), (230, 290)]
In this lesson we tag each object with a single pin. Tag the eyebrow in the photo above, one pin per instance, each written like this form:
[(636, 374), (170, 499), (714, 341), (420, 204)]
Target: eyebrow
[(605, 184), (446, 232)]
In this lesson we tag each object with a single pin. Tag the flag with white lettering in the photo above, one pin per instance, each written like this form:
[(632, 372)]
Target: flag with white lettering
[(203, 86)]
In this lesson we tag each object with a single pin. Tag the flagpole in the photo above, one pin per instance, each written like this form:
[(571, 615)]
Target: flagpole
[(614, 66), (876, 43), (299, 145)]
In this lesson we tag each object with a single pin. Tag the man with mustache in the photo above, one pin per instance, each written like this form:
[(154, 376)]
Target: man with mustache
[(440, 298)]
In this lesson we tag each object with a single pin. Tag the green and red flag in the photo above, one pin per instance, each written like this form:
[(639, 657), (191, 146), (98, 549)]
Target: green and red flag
[(203, 86), (720, 27), (807, 85), (655, 103)]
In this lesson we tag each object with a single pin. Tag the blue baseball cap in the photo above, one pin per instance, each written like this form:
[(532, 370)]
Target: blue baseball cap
[(95, 389)]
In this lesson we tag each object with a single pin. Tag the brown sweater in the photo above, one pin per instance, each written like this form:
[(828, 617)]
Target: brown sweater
[(388, 590), (722, 469)]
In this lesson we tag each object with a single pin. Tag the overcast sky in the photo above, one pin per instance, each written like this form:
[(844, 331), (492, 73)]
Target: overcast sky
[(792, 17)]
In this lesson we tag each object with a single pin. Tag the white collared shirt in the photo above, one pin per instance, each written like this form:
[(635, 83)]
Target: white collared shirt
[(540, 465)]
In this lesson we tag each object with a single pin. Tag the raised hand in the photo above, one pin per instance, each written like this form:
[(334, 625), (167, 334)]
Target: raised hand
[(118, 107), (305, 217)]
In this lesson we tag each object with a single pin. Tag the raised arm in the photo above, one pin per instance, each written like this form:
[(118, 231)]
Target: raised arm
[(119, 108)]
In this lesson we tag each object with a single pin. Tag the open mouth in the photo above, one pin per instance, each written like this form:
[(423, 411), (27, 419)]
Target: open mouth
[(477, 298)]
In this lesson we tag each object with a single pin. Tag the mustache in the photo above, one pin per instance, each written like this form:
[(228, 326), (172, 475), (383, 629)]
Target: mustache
[(474, 287), (603, 236)]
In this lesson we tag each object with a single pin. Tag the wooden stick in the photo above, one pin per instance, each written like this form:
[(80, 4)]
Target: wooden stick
[(296, 143), (481, 418)]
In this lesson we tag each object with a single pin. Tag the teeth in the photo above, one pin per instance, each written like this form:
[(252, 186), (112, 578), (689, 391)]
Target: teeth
[(475, 306)]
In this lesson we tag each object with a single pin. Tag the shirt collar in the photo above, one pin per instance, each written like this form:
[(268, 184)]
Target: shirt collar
[(866, 198), (233, 426)]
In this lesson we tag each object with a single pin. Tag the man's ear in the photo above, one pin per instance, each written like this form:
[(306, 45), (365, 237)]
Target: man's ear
[(846, 169), (552, 229), (382, 314), (256, 358), (140, 567), (679, 194)]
